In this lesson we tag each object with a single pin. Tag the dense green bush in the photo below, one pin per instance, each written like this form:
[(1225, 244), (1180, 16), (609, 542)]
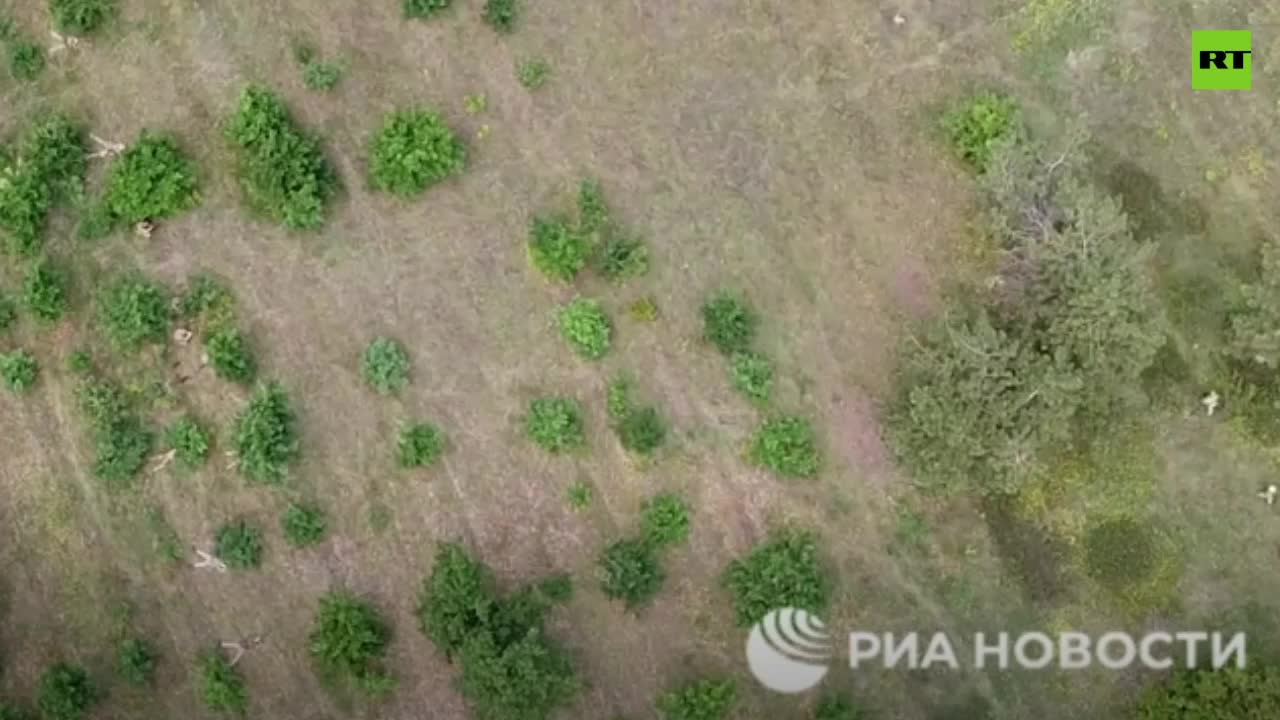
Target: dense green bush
[(350, 637), (555, 424), (151, 180), (786, 445), (230, 354), (752, 375), (136, 661), (49, 164), (190, 442), (303, 525), (425, 8), (1120, 552), (502, 14), (631, 571), (222, 689), (413, 150), (206, 296), (121, 444), (19, 370), (620, 257), (419, 445), (26, 60), (283, 171), (81, 17), (65, 692), (8, 312), (783, 571), (664, 519), (1255, 324), (239, 544), (1226, 694), (585, 325), (728, 323), (133, 311), (44, 290), (700, 700), (532, 73), (264, 435), (385, 366), (642, 430), (557, 248), (457, 599), (13, 710), (976, 126), (526, 678)]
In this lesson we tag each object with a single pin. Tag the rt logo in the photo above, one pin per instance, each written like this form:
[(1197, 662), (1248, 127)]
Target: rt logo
[(1223, 60)]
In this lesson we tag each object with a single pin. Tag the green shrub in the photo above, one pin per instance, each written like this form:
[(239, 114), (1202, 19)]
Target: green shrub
[(350, 637), (322, 76), (618, 398), (835, 707), (664, 519), (190, 442), (976, 126), (239, 545), (584, 323), (532, 73), (420, 445), (783, 571), (151, 180), (222, 689), (413, 150), (12, 710), (79, 362), (121, 444), (96, 222), (457, 599), (1120, 552), (1226, 694), (642, 431), (728, 323), (524, 679), (700, 700), (580, 495), (134, 311), (81, 17), (555, 424), (385, 366), (265, 438), (303, 525), (620, 257), (136, 661), (44, 291), (752, 375), (786, 445), (230, 354), (206, 295), (594, 217), (502, 14), (65, 692), (8, 313), (423, 9), (644, 309), (283, 172), (49, 164), (26, 60), (19, 370), (631, 571), (557, 248)]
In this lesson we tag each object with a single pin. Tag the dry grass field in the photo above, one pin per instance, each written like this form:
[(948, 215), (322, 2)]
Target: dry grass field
[(787, 150)]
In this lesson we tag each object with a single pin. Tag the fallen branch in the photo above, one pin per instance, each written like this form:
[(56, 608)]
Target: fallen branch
[(209, 561)]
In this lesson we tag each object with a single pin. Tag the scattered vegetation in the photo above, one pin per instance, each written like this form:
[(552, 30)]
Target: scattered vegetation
[(264, 435), (643, 309), (8, 312), (561, 247), (45, 291), (26, 60), (783, 571), (230, 354), (532, 73), (584, 323), (190, 442), (48, 165), (65, 692), (80, 362), (423, 9), (420, 445), (640, 429), (557, 248), (835, 707), (151, 180), (350, 638), (81, 17), (222, 689), (239, 544), (976, 126), (631, 571), (787, 446), (664, 519), (385, 366), (413, 150), (303, 525), (136, 661), (580, 495), (1120, 552), (317, 74), (121, 444), (1226, 694), (699, 700), (729, 323), (283, 172), (132, 311), (555, 424), (510, 668), (19, 370), (501, 15), (752, 375)]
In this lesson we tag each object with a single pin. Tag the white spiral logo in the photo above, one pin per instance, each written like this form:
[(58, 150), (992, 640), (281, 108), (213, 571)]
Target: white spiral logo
[(788, 651)]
